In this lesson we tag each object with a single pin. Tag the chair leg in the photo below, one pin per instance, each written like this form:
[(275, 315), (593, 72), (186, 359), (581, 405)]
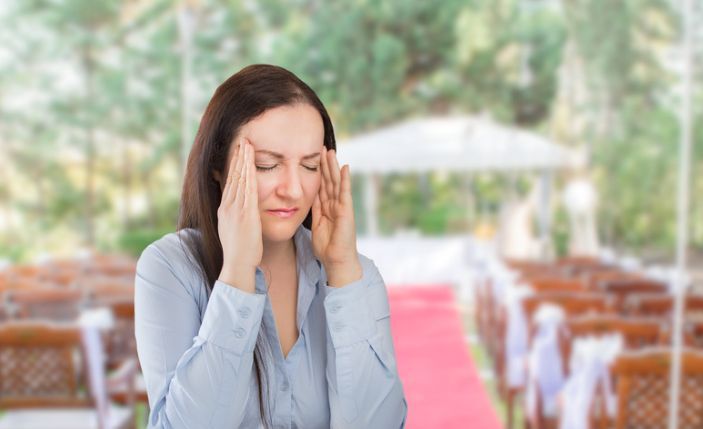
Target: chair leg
[(512, 396)]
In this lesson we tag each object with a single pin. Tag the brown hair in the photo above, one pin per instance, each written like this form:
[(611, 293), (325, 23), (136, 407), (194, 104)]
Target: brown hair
[(241, 98)]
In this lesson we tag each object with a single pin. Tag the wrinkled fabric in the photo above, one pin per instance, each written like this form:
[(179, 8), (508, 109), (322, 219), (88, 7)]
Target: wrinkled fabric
[(196, 349)]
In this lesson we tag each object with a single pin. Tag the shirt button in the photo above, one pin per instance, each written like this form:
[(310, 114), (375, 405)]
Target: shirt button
[(239, 332), (338, 327), (285, 386), (244, 312), (335, 308)]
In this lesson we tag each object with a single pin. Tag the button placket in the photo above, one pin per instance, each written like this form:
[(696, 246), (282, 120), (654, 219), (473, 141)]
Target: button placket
[(244, 312), (339, 326)]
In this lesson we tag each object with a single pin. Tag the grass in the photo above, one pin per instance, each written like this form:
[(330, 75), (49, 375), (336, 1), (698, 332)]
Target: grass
[(141, 414)]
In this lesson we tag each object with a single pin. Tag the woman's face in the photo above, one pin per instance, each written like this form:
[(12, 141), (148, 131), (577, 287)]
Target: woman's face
[(287, 142)]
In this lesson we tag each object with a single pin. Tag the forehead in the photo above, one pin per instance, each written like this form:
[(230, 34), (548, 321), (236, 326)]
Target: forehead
[(293, 131)]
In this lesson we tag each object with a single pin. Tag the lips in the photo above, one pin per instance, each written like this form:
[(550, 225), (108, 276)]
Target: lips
[(283, 213)]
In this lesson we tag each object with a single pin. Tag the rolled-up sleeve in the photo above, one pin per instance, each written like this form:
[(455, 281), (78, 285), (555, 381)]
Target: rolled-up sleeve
[(365, 390), (197, 372)]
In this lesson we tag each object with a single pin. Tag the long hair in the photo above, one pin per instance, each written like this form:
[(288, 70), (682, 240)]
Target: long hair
[(238, 100)]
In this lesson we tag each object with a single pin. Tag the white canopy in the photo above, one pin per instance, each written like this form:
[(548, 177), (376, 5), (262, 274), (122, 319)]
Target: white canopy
[(456, 143)]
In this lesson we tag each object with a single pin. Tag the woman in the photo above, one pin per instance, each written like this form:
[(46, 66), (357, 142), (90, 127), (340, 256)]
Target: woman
[(259, 311)]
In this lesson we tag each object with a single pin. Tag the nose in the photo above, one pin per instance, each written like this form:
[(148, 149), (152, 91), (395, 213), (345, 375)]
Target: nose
[(291, 187)]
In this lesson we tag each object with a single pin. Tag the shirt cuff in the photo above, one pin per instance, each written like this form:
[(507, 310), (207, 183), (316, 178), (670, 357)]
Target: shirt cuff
[(232, 318), (350, 316)]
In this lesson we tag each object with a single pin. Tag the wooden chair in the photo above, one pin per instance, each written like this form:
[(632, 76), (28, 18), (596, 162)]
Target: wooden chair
[(642, 380), (660, 305), (621, 289), (533, 268), (121, 347), (491, 319), (637, 333), (576, 265), (25, 271), (112, 265), (573, 304), (595, 278), (63, 277), (56, 304), (693, 334), (120, 341), (557, 284), (25, 283), (481, 310), (107, 289), (43, 379)]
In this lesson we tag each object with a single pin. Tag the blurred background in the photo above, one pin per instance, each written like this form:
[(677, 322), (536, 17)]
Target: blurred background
[(495, 145)]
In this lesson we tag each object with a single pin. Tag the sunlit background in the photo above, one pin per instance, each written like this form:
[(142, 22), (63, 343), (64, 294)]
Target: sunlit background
[(494, 144)]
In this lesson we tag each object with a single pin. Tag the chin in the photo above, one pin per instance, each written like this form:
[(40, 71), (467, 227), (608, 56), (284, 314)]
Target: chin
[(282, 231)]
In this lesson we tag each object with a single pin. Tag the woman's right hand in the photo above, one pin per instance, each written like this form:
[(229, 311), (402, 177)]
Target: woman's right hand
[(239, 222)]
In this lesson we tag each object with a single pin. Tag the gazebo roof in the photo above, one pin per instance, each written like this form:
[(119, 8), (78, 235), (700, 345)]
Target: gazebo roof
[(457, 143)]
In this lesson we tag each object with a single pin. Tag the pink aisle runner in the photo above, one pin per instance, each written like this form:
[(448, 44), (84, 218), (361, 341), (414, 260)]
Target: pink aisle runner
[(439, 377)]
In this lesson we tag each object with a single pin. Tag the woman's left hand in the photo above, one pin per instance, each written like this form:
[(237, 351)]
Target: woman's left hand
[(333, 228)]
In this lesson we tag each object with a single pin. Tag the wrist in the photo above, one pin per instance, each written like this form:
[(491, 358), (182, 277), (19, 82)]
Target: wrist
[(339, 275), (241, 277)]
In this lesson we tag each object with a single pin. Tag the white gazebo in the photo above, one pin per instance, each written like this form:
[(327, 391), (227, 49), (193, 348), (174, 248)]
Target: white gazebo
[(453, 143)]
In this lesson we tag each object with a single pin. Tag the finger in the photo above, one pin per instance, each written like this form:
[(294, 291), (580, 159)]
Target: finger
[(322, 197), (325, 183), (241, 183), (345, 194), (236, 173), (251, 194), (228, 188), (336, 175), (316, 210)]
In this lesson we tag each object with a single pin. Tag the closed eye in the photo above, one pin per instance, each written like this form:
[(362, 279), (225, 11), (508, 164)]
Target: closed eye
[(260, 168)]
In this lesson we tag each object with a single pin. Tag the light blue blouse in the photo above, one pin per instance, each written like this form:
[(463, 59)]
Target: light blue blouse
[(196, 349)]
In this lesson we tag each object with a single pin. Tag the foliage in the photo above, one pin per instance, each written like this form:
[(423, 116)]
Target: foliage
[(91, 101)]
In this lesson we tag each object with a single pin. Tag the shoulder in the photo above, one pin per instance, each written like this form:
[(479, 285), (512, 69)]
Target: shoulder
[(168, 262), (170, 249)]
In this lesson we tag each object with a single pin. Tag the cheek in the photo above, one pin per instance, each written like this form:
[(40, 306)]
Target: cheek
[(264, 186), (313, 186)]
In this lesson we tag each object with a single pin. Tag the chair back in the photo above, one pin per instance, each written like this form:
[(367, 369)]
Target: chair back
[(660, 305), (643, 389), (572, 304), (636, 332), (56, 304), (42, 366), (557, 284)]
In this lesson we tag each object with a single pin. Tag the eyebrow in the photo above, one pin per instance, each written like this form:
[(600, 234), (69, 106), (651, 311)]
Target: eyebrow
[(280, 156)]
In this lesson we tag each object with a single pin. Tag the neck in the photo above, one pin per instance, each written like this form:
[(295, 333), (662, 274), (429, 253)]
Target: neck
[(278, 253)]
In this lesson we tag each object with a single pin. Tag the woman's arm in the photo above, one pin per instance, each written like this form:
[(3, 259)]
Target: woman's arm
[(364, 388), (197, 375)]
